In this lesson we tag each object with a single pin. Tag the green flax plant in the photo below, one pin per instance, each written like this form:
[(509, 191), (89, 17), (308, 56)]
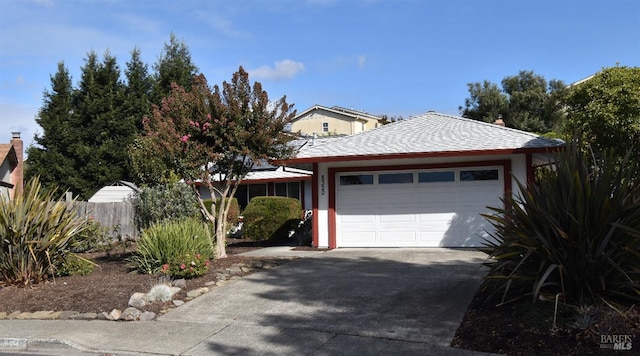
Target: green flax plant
[(575, 233), (166, 241), (36, 232)]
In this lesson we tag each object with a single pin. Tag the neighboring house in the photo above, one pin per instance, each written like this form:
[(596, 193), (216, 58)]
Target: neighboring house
[(117, 192), (419, 182), (11, 167), (320, 120)]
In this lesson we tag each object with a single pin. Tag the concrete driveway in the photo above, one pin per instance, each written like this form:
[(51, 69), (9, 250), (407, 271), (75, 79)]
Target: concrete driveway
[(346, 301)]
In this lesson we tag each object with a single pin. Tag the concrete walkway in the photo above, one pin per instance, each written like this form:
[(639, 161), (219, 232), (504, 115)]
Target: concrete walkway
[(340, 302)]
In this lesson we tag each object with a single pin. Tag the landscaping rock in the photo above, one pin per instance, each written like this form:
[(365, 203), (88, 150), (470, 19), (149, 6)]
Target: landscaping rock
[(24, 316), (175, 290), (234, 270), (131, 314), (138, 300), (178, 302), (115, 314), (3, 315), (197, 292), (180, 283), (45, 315), (209, 284), (14, 314), (147, 316), (67, 314), (84, 316)]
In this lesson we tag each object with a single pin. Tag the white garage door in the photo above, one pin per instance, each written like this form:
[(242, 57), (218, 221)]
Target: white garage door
[(421, 208)]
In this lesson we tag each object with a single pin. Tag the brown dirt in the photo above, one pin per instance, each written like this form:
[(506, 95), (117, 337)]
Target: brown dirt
[(525, 328), (110, 285)]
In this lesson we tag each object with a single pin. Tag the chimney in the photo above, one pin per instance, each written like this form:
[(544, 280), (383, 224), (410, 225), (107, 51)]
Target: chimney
[(17, 176), (499, 121)]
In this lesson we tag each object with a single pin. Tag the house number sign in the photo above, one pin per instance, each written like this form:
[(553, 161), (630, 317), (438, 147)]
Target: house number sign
[(322, 184)]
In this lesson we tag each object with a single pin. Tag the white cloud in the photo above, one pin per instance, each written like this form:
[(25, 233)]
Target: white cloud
[(283, 70), (361, 60)]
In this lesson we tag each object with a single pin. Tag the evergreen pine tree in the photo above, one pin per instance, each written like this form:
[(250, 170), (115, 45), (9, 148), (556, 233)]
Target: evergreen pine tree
[(49, 156), (173, 66)]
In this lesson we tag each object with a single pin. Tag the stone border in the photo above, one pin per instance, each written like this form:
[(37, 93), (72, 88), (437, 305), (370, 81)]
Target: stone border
[(223, 276)]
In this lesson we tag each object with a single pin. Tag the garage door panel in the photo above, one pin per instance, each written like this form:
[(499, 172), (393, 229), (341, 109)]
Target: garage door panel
[(357, 218), (360, 238), (421, 214), (397, 218), (436, 197), (397, 237)]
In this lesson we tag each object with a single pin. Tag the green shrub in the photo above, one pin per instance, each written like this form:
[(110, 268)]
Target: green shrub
[(35, 234), (160, 244), (168, 202), (75, 266), (575, 232), (188, 265), (234, 210), (271, 218), (94, 238)]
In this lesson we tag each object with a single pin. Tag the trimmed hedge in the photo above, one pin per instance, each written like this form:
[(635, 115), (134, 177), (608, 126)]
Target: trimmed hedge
[(271, 218), (234, 210)]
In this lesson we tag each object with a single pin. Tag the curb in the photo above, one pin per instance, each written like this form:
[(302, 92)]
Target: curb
[(55, 347)]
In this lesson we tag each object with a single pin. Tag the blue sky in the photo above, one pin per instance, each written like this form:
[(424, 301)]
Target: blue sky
[(394, 57)]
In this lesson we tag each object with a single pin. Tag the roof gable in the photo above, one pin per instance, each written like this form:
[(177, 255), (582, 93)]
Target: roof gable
[(7, 152), (341, 113), (429, 133)]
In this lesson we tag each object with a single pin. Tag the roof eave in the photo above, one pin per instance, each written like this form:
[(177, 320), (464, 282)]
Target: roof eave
[(501, 151)]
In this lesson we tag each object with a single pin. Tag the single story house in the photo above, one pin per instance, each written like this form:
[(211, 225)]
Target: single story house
[(11, 167), (420, 182), (320, 120)]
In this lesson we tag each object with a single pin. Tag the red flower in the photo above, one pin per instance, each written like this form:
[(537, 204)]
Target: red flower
[(197, 256), (182, 266), (165, 267), (206, 263), (191, 269)]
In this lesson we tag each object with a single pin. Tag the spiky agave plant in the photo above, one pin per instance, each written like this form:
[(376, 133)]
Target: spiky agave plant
[(576, 232), (35, 234)]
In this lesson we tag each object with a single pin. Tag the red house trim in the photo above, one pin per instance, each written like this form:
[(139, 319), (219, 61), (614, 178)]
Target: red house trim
[(530, 170), (314, 205), (506, 165)]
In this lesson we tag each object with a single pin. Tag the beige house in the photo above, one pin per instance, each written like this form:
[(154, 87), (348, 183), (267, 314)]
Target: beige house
[(11, 167), (335, 120)]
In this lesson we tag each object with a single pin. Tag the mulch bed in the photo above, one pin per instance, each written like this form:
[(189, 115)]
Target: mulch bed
[(111, 284), (525, 328)]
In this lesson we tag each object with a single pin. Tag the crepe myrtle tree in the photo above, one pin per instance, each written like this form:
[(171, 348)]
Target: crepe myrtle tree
[(215, 136)]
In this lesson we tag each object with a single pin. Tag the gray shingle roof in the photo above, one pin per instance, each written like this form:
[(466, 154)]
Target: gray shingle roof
[(429, 133)]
